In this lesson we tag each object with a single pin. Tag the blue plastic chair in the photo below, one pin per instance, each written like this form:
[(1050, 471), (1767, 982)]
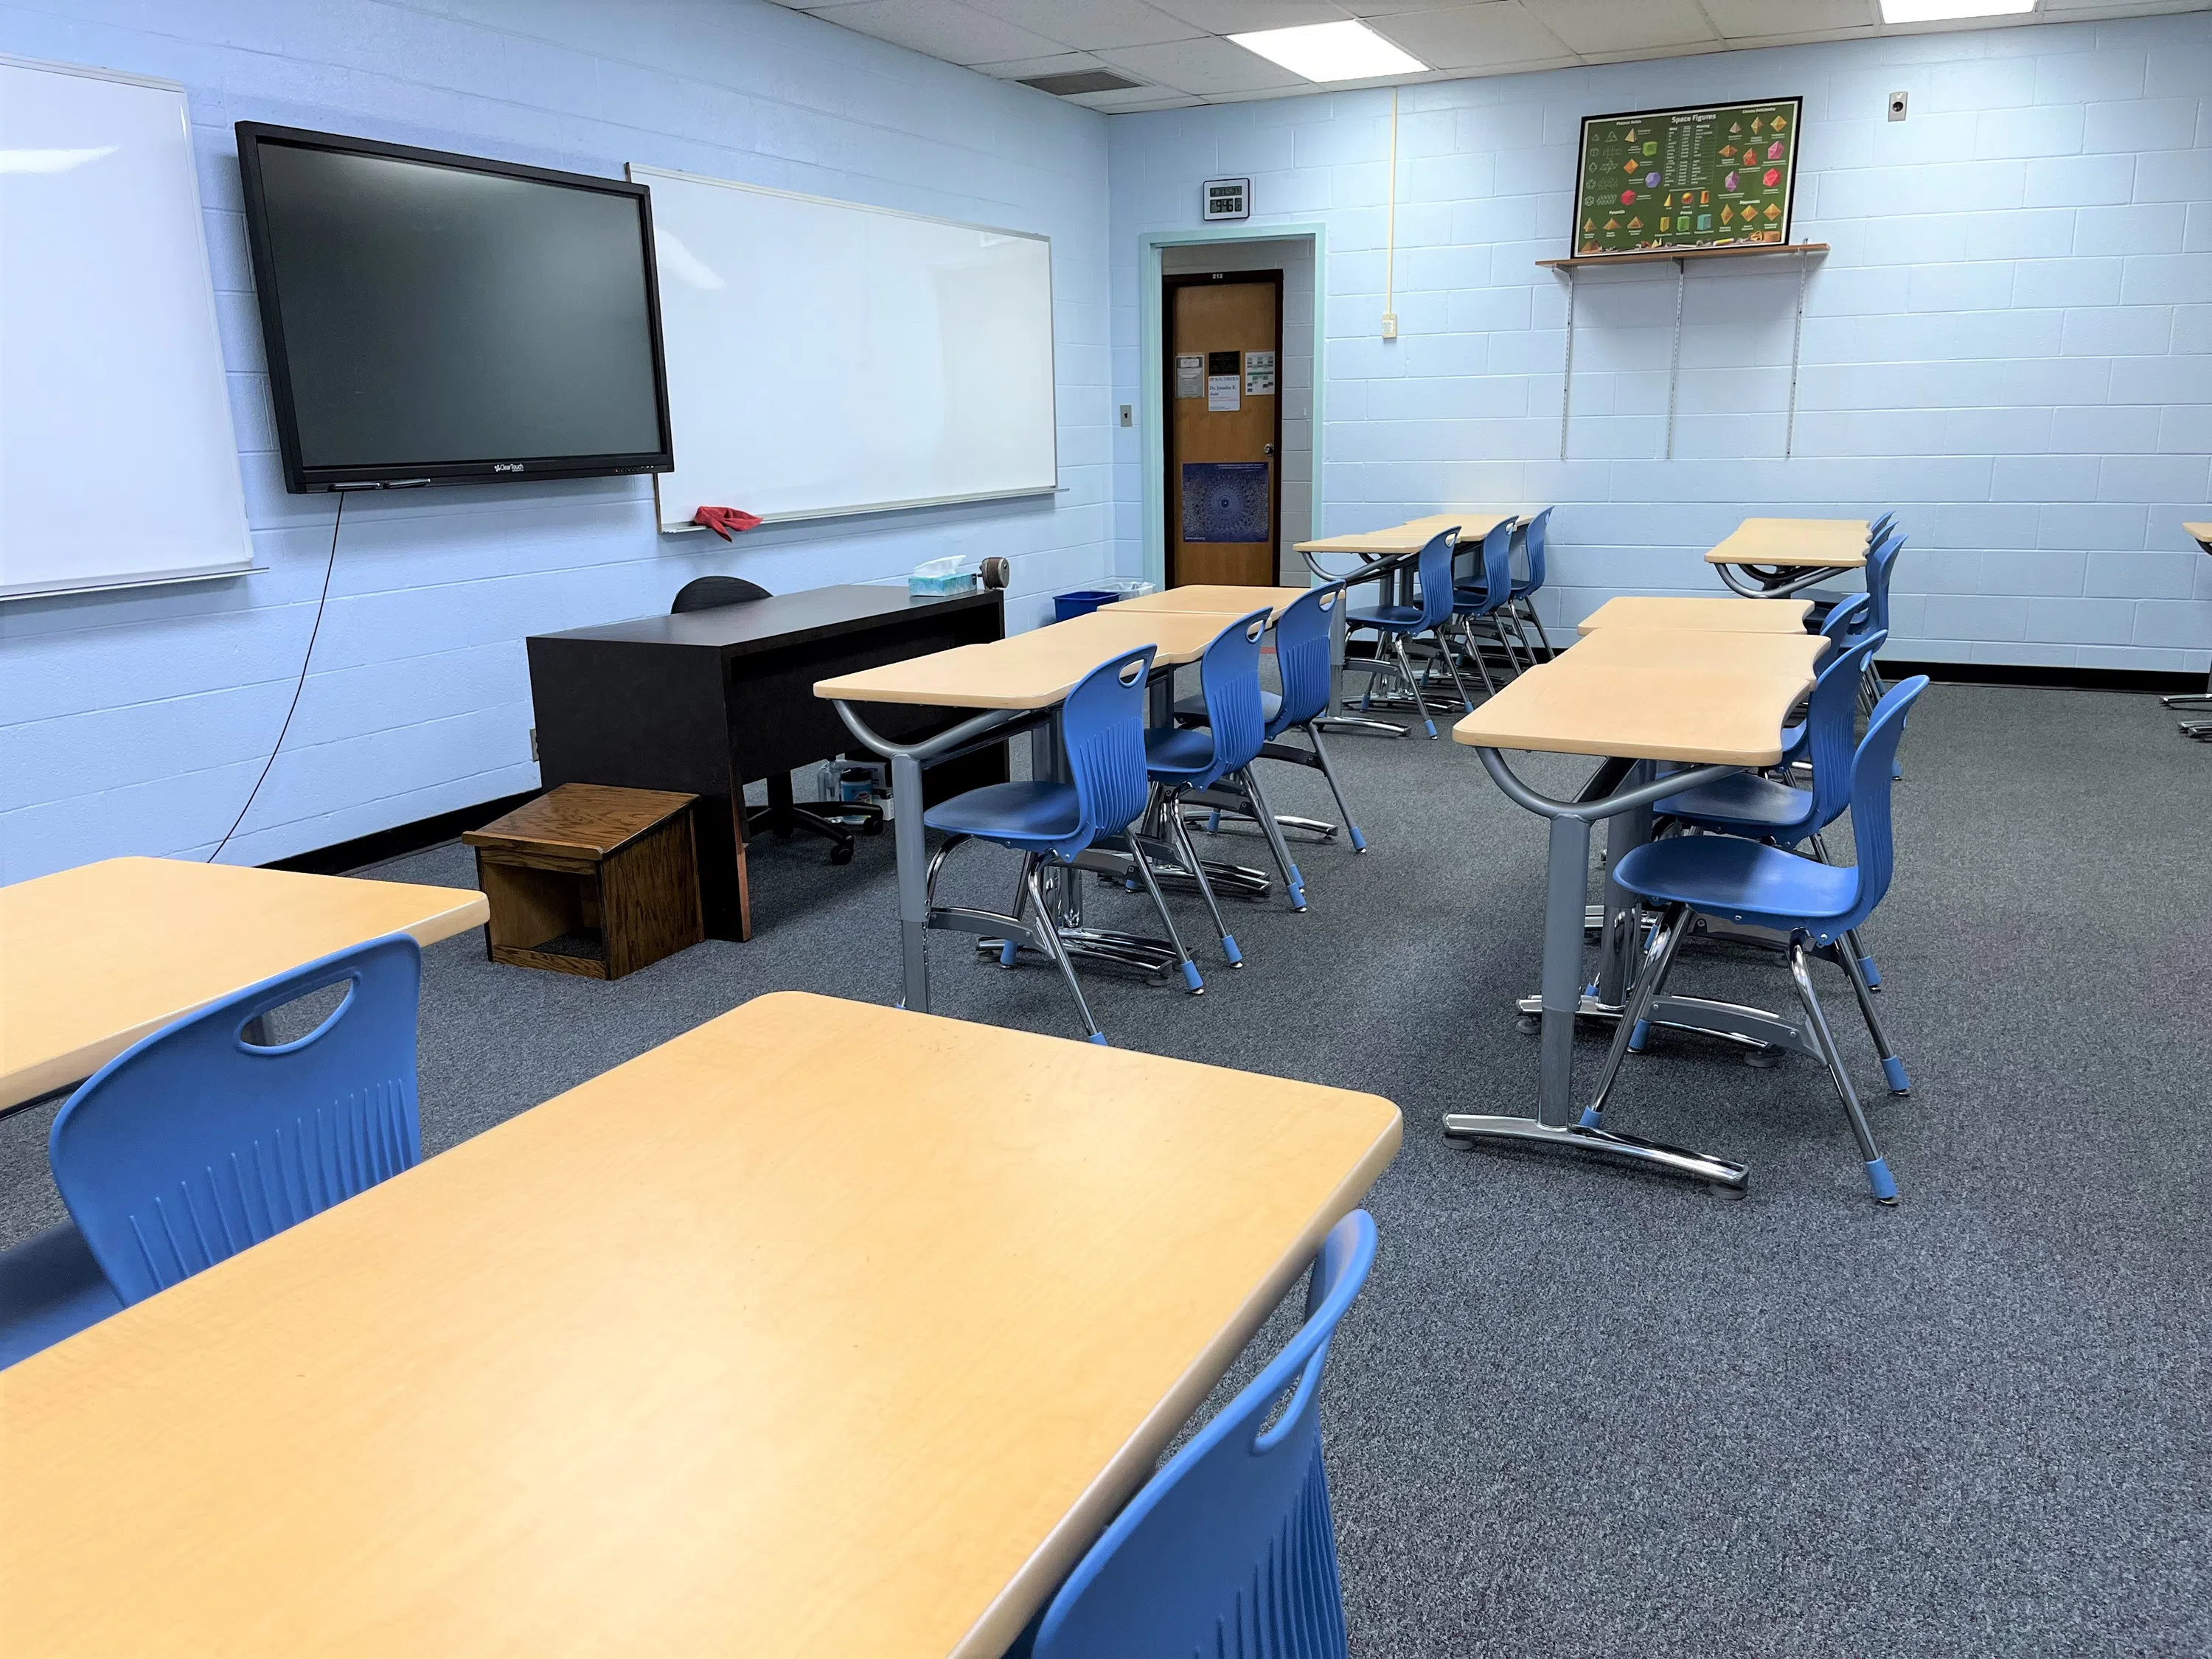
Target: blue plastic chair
[(1049, 822), (1815, 904), (1229, 1550), (1183, 760), (1746, 804), (1532, 534), (1490, 601), (1431, 614), (50, 1288), (197, 1141), (1302, 651)]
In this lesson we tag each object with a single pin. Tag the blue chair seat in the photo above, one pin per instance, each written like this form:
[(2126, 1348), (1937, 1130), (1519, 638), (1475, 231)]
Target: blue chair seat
[(1183, 750), (1013, 813), (1470, 593), (1399, 618), (1193, 709), (1744, 880), (1745, 803), (51, 1288)]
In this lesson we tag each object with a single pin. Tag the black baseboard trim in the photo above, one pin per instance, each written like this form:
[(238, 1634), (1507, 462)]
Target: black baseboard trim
[(2145, 682), (401, 839)]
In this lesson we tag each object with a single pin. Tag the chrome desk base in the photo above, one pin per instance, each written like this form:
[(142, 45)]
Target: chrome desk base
[(1753, 1029), (1598, 1143)]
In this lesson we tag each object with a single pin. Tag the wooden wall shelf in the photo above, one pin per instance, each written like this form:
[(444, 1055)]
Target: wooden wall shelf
[(1753, 251)]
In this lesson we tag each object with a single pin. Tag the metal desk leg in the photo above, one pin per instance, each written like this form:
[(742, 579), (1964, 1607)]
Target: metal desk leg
[(912, 883), (1566, 884)]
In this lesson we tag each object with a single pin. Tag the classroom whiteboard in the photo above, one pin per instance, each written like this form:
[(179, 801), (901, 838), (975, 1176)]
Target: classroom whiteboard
[(118, 465), (825, 358)]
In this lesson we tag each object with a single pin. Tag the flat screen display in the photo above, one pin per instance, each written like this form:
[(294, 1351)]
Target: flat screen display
[(1720, 175), (445, 319)]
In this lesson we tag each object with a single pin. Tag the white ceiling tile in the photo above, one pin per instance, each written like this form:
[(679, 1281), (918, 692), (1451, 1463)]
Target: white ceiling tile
[(1092, 23), (1738, 20), (1205, 65), (1474, 37), (1611, 27), (1241, 17), (1059, 62), (943, 30), (1135, 100)]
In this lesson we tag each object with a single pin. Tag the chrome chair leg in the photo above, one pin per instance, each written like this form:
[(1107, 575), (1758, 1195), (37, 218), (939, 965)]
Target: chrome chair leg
[(1413, 685), (1878, 1176), (1537, 617), (1293, 883), (1852, 941), (1451, 662), (1629, 1031), (1180, 833), (1049, 932), (1010, 950), (1892, 1065), (1190, 975), (1328, 771), (1465, 633)]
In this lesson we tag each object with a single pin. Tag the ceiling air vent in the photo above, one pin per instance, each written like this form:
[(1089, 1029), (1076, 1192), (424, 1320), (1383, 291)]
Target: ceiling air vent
[(1066, 85)]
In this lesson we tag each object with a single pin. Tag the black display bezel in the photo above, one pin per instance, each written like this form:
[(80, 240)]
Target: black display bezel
[(300, 479)]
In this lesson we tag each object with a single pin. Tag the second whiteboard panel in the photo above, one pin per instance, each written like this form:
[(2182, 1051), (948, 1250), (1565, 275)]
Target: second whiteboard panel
[(825, 358)]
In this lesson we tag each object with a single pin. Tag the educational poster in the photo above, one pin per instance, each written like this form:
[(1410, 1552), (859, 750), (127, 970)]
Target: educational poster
[(1663, 180), (1258, 374)]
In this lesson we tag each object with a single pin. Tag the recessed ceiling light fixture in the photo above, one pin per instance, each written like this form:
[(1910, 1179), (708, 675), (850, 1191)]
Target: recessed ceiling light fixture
[(1331, 52), (1943, 11)]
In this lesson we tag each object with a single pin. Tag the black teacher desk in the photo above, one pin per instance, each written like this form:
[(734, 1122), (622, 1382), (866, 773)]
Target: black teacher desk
[(711, 700)]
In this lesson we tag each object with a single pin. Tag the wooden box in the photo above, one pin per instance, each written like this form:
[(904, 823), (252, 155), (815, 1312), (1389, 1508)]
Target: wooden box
[(592, 880)]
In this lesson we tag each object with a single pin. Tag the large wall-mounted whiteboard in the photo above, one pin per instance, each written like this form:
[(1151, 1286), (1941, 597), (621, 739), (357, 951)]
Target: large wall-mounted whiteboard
[(825, 358), (118, 465)]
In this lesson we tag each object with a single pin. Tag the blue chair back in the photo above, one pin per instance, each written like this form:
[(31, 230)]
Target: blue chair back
[(1102, 724), (1829, 717), (1432, 566), (1879, 566), (1302, 656), (1836, 627), (1228, 676), (1872, 834), (1229, 1549), (1535, 534), (1497, 573), (193, 1143), (1879, 528)]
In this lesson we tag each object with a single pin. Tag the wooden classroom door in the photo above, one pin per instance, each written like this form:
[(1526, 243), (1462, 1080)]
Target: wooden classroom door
[(1224, 429)]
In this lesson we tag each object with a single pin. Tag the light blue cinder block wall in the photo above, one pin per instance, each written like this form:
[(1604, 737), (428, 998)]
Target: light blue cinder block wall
[(2011, 343), (137, 722)]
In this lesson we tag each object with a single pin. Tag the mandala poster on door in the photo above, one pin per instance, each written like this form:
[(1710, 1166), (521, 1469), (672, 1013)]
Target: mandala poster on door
[(1658, 181)]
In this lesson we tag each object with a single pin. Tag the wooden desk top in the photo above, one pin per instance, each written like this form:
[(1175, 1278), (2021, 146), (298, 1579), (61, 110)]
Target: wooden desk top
[(1034, 670), (1735, 615), (2203, 532), (1474, 523), (823, 1329), (1658, 647), (1723, 713), (1811, 543), (94, 958), (1219, 600)]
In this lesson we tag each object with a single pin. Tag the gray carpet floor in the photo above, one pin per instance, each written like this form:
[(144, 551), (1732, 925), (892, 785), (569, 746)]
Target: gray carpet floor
[(1584, 1411)]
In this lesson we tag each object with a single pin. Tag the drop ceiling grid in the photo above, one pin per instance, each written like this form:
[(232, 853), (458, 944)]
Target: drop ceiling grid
[(1175, 49)]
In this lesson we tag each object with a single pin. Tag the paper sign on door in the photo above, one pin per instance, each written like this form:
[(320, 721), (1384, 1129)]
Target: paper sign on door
[(1258, 374), (1221, 394), (1190, 375)]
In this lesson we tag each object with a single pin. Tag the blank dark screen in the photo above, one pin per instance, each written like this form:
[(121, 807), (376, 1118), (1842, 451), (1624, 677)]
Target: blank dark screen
[(436, 315)]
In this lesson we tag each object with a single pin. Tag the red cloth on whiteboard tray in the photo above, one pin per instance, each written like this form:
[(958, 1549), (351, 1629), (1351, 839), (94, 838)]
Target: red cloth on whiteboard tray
[(724, 519)]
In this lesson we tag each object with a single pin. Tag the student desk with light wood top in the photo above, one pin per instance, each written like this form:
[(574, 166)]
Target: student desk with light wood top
[(1020, 680), (1773, 558), (1696, 615), (1711, 701), (1219, 600), (822, 1329), (94, 958)]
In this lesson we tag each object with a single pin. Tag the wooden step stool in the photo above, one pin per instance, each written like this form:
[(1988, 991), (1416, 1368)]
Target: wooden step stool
[(592, 880)]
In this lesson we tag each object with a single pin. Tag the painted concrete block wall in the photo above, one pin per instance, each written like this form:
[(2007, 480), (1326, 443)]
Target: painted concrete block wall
[(2011, 343), (1294, 257), (137, 722)]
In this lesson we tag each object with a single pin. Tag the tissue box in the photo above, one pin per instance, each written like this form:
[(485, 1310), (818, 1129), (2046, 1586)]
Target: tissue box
[(938, 583)]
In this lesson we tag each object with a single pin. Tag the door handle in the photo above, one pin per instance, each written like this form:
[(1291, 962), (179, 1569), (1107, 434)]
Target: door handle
[(1266, 449)]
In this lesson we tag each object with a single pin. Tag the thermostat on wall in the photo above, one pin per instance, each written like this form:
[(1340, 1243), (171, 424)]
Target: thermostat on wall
[(1228, 198)]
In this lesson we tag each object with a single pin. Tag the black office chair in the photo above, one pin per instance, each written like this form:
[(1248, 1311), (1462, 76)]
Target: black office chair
[(782, 814)]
